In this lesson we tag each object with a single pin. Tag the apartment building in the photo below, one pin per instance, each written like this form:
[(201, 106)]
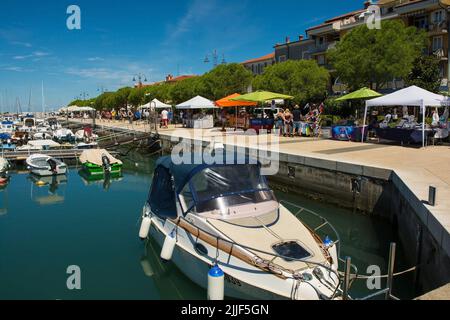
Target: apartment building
[(428, 15), (258, 65)]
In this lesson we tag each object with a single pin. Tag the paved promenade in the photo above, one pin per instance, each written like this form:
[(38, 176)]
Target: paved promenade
[(417, 168)]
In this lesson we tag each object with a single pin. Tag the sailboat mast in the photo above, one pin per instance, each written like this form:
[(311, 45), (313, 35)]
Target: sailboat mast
[(43, 99), (29, 102)]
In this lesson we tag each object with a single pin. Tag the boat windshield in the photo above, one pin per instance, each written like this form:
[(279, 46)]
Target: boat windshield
[(219, 188)]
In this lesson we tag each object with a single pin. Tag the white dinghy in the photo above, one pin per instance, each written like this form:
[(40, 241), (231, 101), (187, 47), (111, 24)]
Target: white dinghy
[(224, 229), (43, 165)]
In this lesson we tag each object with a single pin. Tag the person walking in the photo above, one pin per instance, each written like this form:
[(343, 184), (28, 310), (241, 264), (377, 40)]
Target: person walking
[(297, 118), (165, 119), (114, 115)]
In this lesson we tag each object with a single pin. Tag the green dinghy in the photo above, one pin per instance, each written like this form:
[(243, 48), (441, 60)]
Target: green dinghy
[(99, 162)]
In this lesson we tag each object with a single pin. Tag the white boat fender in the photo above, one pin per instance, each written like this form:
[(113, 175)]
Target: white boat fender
[(216, 284), (145, 227), (169, 246)]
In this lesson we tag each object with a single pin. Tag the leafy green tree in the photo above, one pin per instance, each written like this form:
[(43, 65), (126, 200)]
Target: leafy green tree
[(187, 89), (121, 97), (303, 79), (136, 97), (227, 79), (160, 92), (366, 57), (425, 74), (82, 103)]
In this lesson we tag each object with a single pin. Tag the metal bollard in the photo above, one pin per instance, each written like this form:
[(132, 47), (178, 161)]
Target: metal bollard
[(347, 275), (391, 268), (432, 196)]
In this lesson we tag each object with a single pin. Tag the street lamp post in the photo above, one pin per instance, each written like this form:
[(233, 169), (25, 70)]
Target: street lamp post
[(102, 89), (215, 58), (153, 113), (139, 78), (84, 95)]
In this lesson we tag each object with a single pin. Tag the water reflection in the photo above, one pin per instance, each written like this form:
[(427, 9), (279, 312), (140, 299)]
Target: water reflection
[(168, 279), (50, 184), (104, 180), (3, 200)]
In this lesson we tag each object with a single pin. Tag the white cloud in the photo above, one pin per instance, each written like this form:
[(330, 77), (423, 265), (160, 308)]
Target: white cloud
[(35, 54), (17, 69), (196, 13), (23, 44), (93, 59)]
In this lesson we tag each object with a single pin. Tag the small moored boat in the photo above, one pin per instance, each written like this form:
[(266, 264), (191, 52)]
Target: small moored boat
[(223, 228), (99, 162), (43, 165), (4, 165)]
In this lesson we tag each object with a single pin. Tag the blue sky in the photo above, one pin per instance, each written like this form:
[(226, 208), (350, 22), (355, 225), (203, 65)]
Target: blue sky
[(119, 39)]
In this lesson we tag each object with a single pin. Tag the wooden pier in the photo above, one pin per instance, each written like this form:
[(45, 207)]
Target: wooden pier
[(17, 156)]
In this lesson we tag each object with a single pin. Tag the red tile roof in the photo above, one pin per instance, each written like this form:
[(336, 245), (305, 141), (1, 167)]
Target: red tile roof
[(341, 17), (181, 78), (264, 58)]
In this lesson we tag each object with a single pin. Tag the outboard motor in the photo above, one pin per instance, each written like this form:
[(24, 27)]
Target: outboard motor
[(53, 166), (106, 163)]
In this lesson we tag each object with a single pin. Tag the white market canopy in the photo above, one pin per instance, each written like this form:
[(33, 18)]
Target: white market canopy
[(412, 96), (155, 103), (76, 109), (197, 103)]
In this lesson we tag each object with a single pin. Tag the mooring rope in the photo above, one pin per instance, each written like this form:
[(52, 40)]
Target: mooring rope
[(367, 277)]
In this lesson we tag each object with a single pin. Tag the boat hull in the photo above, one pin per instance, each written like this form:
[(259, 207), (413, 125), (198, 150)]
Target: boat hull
[(196, 270), (98, 171), (242, 281), (46, 172)]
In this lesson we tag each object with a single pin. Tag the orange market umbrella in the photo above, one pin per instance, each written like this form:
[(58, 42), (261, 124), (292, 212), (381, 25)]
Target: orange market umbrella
[(227, 102)]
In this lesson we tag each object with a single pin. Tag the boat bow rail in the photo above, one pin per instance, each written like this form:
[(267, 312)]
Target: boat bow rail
[(322, 224), (248, 254)]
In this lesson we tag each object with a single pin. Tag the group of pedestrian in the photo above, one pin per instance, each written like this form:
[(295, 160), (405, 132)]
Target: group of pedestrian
[(123, 115), (289, 124)]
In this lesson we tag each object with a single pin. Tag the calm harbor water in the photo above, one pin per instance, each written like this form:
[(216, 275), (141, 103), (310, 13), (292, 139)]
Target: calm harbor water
[(45, 229)]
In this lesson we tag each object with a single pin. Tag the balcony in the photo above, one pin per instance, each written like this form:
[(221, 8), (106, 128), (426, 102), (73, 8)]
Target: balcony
[(440, 53), (322, 48), (438, 28)]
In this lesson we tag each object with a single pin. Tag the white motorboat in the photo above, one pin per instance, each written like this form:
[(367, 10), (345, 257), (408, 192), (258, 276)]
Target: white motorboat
[(29, 125), (44, 135), (38, 145), (43, 165), (4, 165), (85, 135), (7, 127), (225, 217), (53, 123), (64, 135), (87, 146)]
